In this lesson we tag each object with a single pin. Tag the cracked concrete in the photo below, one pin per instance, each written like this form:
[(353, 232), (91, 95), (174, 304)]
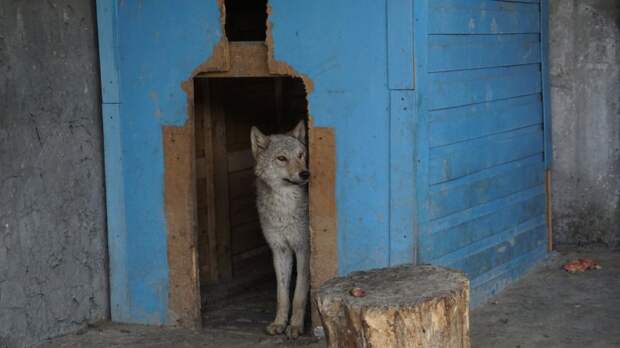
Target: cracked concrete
[(52, 218), (585, 107)]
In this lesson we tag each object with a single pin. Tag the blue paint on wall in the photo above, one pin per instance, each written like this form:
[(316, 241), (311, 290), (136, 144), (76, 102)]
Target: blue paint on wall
[(115, 193), (402, 174), (481, 172), (439, 143), (350, 94), (159, 44)]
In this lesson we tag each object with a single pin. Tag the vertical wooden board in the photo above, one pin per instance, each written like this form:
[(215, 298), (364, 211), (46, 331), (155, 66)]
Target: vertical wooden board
[(204, 115), (220, 171), (108, 60), (422, 149), (115, 209), (549, 210), (402, 177), (180, 207), (212, 256), (322, 208), (546, 92), (400, 44)]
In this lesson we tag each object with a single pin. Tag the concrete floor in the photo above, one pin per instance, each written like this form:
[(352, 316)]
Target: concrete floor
[(547, 308), (551, 308)]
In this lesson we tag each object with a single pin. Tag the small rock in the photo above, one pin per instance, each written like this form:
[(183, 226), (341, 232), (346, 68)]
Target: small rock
[(357, 292)]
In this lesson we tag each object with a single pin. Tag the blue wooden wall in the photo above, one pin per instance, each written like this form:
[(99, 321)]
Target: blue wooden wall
[(436, 107), (481, 147)]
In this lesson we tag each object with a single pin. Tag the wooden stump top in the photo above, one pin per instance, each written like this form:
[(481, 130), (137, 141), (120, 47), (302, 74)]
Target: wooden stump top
[(397, 286), (405, 306)]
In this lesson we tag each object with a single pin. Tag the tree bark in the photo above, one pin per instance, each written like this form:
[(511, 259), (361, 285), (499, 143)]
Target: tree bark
[(423, 306)]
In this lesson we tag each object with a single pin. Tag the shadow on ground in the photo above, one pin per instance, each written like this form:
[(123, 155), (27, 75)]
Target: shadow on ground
[(547, 308)]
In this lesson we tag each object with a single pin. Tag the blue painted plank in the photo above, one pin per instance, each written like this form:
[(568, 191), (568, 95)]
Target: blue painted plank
[(514, 264), (449, 126), (459, 52), (108, 62), (402, 177), (400, 44), (456, 160), (456, 231), (491, 241), (422, 136), (488, 259), (504, 275), (482, 17), (115, 210), (546, 92), (462, 217), (455, 88), (485, 186)]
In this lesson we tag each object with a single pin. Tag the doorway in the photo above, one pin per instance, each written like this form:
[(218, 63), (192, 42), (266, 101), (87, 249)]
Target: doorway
[(237, 282)]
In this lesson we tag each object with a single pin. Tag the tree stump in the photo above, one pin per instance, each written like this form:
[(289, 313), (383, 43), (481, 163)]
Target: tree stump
[(406, 306)]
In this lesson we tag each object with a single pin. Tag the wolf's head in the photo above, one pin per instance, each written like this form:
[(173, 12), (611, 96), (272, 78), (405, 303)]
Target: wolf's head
[(281, 158)]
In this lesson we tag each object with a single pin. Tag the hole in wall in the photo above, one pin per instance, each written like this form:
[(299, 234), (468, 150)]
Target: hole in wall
[(246, 20), (237, 280)]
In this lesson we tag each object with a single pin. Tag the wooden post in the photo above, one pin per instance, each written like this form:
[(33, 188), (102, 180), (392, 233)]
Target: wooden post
[(424, 306), (549, 214)]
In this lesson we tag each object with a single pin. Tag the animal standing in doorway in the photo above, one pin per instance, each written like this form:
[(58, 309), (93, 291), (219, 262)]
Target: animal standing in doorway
[(282, 202)]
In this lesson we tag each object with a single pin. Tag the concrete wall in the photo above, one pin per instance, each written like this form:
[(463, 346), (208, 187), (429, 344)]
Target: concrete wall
[(53, 275), (585, 94)]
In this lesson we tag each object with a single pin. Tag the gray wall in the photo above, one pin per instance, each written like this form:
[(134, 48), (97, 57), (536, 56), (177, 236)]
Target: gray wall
[(52, 207), (585, 95)]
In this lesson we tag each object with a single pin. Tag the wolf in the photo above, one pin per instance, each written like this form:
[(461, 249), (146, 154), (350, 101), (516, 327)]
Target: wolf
[(282, 203)]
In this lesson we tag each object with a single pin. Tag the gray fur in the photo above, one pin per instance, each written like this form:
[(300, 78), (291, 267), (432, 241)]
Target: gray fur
[(282, 202)]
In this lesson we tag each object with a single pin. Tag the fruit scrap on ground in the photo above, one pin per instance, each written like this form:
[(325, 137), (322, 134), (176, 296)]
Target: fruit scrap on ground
[(581, 265)]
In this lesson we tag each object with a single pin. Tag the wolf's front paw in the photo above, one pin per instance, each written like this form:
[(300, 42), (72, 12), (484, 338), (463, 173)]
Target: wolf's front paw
[(292, 332), (275, 328)]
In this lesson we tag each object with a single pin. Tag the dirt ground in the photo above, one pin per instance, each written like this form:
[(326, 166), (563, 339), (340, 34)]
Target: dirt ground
[(547, 308)]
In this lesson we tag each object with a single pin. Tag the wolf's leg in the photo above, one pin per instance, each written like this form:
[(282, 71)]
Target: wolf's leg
[(283, 263), (296, 326)]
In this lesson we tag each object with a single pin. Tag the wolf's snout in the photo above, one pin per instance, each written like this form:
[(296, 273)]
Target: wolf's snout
[(304, 175)]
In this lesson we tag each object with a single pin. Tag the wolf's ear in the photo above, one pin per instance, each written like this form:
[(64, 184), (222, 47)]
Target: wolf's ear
[(299, 132), (259, 141)]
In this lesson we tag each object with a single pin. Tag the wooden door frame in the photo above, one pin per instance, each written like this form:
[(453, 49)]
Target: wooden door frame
[(239, 60)]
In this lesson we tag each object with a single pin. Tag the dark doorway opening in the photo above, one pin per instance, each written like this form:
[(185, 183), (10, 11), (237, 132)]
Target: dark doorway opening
[(236, 271), (246, 20)]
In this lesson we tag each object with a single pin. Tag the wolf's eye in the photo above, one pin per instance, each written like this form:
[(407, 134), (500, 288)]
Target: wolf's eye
[(281, 158)]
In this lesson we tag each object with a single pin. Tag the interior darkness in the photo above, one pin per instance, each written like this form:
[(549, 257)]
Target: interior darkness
[(236, 270), (246, 20)]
